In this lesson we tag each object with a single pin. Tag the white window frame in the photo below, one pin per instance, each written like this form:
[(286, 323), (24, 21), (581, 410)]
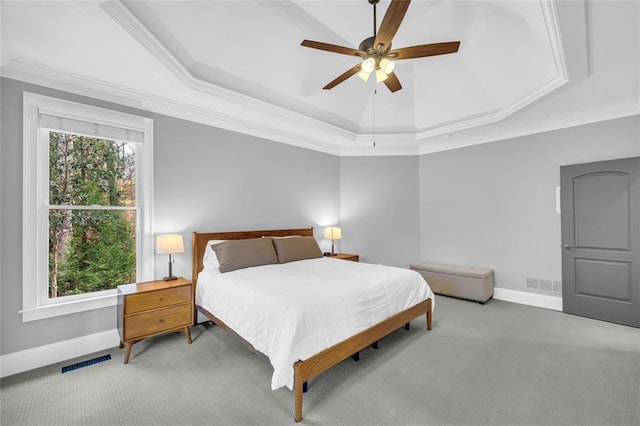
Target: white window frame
[(36, 303)]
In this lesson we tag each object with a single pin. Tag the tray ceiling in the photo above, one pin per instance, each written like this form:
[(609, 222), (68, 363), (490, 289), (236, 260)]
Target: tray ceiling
[(523, 66)]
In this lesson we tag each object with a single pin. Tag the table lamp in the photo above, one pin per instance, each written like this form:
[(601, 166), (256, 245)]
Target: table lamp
[(333, 233), (169, 244)]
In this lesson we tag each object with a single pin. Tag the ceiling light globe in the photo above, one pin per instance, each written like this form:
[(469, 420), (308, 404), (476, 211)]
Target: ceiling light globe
[(380, 75), (368, 65), (363, 75), (387, 65)]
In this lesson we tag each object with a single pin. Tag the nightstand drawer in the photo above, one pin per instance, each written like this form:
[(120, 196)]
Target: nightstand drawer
[(157, 299), (157, 321)]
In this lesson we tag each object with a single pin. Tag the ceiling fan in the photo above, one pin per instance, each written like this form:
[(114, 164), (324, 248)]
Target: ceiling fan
[(376, 52)]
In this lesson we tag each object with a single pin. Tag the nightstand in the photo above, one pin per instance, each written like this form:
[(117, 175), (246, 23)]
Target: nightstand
[(346, 256), (153, 307)]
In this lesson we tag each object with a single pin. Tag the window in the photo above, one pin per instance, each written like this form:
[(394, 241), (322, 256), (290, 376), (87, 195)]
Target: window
[(92, 214), (87, 178)]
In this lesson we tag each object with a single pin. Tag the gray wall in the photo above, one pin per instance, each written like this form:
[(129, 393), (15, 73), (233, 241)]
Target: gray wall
[(15, 334), (379, 209), (493, 205), (209, 179), (206, 179), (489, 205)]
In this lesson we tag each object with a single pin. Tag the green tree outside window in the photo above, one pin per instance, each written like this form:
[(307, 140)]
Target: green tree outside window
[(92, 215)]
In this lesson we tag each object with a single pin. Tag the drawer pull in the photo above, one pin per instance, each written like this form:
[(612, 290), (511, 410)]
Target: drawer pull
[(161, 320), (162, 298)]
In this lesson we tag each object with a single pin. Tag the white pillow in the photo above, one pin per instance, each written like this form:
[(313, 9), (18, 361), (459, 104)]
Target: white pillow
[(210, 260)]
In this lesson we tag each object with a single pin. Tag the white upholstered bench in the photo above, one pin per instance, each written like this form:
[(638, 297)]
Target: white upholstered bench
[(465, 282)]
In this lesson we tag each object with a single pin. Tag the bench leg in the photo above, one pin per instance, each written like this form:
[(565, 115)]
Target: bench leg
[(356, 356), (407, 326)]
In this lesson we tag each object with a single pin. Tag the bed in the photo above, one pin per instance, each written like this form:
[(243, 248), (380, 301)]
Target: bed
[(308, 349)]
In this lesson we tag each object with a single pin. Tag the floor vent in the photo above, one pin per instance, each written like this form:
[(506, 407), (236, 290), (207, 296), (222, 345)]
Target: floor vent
[(85, 363)]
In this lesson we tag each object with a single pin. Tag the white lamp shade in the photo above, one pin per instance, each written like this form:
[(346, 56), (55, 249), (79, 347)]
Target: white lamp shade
[(169, 244), (333, 233)]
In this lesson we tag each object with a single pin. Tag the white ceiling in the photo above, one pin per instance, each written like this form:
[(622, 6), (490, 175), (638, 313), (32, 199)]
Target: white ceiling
[(524, 66)]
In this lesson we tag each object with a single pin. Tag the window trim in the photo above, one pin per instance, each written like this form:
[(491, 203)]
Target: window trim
[(35, 204)]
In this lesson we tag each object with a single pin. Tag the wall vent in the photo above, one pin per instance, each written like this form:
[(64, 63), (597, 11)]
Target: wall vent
[(543, 285), (557, 286), (532, 284)]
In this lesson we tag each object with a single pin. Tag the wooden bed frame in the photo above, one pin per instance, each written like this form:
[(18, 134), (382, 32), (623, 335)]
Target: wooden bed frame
[(309, 368)]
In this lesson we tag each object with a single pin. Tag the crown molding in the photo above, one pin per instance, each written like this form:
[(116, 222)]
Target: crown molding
[(550, 14), (346, 143), (497, 115), (580, 118), (290, 128)]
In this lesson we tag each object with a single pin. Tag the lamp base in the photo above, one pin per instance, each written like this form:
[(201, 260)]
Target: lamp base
[(170, 278)]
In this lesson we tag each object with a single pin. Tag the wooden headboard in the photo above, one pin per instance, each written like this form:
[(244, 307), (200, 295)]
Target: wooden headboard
[(199, 242)]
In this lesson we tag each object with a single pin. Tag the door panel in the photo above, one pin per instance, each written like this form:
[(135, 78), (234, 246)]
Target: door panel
[(590, 273), (601, 240), (601, 210)]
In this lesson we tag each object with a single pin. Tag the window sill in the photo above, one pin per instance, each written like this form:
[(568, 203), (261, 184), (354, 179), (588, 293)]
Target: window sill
[(69, 307)]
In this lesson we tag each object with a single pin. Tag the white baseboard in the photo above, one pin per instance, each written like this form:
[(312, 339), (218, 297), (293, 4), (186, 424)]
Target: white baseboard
[(526, 298), (28, 359)]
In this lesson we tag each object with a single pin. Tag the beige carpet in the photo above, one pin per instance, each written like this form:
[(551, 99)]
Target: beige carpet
[(497, 364)]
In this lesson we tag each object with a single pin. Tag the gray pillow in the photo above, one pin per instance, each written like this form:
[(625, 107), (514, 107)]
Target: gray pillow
[(238, 254), (296, 248)]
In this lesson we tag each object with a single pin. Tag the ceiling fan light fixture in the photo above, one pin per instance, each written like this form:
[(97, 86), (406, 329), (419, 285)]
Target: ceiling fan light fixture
[(363, 75), (387, 66), (368, 65), (375, 52), (381, 75)]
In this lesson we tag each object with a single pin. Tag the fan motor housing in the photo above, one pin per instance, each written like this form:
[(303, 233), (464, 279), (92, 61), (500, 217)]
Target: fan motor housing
[(367, 46)]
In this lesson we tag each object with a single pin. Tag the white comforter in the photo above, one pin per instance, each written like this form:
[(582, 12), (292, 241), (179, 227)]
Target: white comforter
[(292, 311)]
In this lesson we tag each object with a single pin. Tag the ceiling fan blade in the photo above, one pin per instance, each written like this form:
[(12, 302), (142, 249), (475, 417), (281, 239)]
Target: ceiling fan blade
[(393, 83), (424, 50), (390, 23), (342, 77), (332, 48)]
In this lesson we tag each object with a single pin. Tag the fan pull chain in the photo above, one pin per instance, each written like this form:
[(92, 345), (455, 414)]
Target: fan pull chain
[(375, 92)]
